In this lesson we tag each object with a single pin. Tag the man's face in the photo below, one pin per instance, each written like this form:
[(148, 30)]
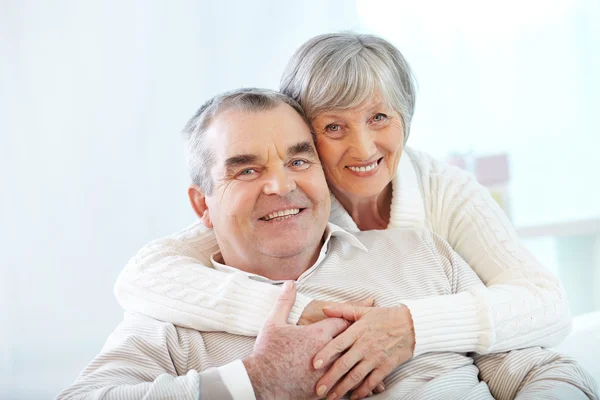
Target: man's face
[(270, 197)]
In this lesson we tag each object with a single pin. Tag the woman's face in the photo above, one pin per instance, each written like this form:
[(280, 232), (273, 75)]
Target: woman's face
[(360, 147)]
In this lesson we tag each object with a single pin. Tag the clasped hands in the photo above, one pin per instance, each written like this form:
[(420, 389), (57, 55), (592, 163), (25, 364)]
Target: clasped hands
[(358, 346), (378, 340)]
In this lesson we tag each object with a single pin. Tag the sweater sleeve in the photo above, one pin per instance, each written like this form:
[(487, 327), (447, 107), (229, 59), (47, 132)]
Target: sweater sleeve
[(523, 304), (144, 358), (172, 280), (535, 373)]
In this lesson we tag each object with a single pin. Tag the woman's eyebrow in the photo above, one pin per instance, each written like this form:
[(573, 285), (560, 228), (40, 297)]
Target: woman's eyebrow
[(376, 106), (334, 114)]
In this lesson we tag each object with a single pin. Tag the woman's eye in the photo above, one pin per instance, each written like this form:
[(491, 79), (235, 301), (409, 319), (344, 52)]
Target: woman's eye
[(379, 117), (332, 128)]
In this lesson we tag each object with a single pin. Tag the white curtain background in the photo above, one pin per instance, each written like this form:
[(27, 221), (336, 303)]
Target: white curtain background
[(93, 95)]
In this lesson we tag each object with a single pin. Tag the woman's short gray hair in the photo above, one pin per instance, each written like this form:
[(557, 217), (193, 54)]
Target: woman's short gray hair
[(342, 70), (199, 157)]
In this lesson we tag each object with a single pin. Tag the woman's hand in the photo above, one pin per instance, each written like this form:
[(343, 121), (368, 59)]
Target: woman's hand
[(313, 312), (381, 339)]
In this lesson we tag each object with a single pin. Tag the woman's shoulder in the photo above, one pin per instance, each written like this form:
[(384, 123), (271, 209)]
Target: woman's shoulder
[(425, 161), (428, 167)]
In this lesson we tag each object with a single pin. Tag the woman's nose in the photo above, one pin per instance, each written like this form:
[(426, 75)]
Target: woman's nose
[(363, 144)]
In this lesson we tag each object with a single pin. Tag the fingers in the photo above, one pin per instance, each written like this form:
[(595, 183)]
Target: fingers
[(283, 306), (331, 326), (364, 303), (378, 389), (336, 372), (352, 379), (373, 383), (336, 346), (351, 312)]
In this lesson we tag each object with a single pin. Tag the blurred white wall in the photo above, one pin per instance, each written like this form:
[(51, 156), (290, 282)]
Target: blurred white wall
[(513, 76), (92, 98), (93, 95)]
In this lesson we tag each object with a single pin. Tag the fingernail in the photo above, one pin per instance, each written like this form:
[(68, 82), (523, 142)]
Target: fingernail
[(287, 286), (332, 396), (353, 397), (321, 390), (318, 364)]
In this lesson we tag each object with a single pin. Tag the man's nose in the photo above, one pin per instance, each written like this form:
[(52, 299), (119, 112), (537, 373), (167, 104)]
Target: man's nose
[(279, 182)]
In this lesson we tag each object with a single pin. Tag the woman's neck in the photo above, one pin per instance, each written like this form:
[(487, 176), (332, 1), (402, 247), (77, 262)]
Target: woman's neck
[(368, 212)]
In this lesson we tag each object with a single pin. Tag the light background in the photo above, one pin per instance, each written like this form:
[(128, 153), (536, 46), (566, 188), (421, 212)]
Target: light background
[(93, 95)]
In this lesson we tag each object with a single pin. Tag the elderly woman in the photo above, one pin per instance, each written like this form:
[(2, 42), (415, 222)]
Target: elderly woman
[(358, 93)]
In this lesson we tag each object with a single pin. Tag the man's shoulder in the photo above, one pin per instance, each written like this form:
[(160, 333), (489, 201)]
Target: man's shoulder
[(139, 323), (140, 328)]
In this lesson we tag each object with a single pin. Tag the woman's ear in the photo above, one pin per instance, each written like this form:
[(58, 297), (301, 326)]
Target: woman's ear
[(198, 201)]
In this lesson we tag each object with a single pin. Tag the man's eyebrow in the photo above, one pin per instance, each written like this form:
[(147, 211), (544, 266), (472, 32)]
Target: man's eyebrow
[(305, 147), (240, 159)]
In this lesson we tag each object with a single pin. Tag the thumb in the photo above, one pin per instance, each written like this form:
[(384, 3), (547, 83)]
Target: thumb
[(349, 312), (283, 306)]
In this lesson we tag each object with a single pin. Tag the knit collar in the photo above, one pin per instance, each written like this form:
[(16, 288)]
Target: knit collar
[(407, 209)]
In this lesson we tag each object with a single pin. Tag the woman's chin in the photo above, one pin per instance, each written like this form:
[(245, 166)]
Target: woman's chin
[(363, 191)]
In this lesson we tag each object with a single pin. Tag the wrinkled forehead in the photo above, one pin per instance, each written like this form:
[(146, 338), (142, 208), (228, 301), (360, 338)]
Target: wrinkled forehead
[(260, 132)]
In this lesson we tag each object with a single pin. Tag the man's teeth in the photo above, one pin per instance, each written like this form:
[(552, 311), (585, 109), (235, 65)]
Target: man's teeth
[(282, 214), (363, 169)]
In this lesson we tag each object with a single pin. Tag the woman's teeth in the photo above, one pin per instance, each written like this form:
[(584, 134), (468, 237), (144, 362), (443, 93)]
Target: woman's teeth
[(363, 169), (281, 214)]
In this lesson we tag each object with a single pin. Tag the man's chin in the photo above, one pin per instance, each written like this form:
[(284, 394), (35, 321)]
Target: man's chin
[(283, 246)]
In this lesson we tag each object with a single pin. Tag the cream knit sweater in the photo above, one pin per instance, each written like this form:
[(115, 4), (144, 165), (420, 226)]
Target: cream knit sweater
[(171, 279)]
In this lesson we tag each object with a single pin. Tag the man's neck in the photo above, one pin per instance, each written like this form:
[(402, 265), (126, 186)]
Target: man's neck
[(274, 268)]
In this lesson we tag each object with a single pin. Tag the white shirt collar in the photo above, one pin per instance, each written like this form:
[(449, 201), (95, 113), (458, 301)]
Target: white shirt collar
[(330, 231)]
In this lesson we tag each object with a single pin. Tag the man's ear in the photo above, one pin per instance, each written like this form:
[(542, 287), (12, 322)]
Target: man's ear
[(198, 201)]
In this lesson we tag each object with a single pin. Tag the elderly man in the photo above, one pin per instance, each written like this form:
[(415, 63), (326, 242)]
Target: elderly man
[(267, 200)]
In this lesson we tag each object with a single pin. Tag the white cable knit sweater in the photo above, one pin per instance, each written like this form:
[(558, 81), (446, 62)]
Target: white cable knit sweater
[(171, 279)]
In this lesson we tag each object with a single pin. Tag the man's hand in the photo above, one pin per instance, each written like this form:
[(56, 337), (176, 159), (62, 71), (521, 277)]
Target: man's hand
[(281, 364), (380, 340)]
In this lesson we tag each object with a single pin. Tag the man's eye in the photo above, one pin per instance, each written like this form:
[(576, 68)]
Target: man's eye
[(298, 163), (247, 172)]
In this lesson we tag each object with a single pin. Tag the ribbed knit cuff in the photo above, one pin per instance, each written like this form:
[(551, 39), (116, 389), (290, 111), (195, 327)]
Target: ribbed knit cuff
[(446, 323)]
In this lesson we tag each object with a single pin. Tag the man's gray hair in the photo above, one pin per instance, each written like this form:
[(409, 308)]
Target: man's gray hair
[(199, 157), (342, 70)]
